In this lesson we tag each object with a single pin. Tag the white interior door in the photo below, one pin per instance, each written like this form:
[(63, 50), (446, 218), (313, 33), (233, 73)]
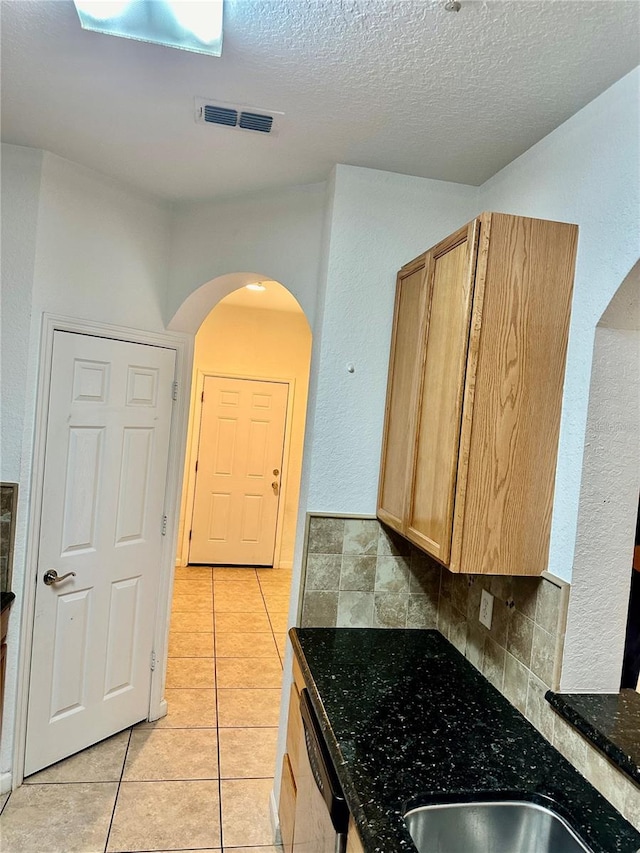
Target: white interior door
[(235, 509), (103, 497)]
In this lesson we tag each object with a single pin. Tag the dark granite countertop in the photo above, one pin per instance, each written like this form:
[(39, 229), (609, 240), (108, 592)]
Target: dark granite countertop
[(6, 599), (611, 721), (408, 721)]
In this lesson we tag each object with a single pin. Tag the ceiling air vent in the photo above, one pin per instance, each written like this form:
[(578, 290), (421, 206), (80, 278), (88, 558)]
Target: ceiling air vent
[(256, 121), (238, 116), (220, 115)]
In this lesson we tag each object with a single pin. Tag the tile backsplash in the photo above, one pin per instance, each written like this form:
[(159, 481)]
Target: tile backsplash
[(360, 574)]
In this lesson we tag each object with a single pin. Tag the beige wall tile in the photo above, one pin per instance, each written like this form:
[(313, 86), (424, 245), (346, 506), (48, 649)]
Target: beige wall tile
[(360, 536), (319, 609), (567, 741), (358, 573), (539, 712), (424, 575), (606, 778), (520, 637), (392, 574), (548, 606), (493, 663), (422, 611), (524, 593), (390, 609), (543, 654), (516, 682), (355, 609), (323, 571), (475, 644), (460, 592), (631, 808), (391, 543), (325, 535)]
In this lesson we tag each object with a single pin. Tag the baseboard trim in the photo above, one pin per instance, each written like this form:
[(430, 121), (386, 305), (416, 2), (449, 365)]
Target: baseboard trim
[(285, 564), (6, 782), (275, 820)]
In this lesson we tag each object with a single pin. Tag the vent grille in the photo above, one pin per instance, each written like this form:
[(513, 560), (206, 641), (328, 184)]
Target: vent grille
[(220, 115), (255, 121), (238, 116)]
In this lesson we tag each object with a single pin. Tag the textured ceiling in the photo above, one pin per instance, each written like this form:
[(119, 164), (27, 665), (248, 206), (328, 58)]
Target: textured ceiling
[(398, 85)]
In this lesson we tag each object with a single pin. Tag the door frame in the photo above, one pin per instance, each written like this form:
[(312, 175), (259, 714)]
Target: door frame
[(182, 344), (192, 455)]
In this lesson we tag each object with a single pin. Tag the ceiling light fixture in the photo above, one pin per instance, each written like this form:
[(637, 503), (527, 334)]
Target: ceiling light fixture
[(258, 286), (194, 25)]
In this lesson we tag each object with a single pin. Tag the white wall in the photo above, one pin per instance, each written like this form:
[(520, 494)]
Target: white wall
[(608, 509), (379, 221), (20, 184), (588, 172), (275, 235), (99, 252)]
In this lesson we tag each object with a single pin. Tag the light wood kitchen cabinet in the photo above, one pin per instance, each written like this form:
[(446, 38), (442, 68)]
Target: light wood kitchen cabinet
[(354, 845), (401, 390), (291, 763), (470, 480)]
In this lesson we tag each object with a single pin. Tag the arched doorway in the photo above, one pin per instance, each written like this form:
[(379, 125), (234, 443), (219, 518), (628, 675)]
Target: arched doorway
[(228, 625), (255, 339)]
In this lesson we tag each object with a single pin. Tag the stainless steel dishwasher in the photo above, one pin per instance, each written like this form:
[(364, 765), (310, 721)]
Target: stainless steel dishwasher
[(322, 816)]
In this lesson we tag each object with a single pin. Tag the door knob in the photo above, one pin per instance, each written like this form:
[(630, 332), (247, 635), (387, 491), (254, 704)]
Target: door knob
[(51, 576), (274, 486)]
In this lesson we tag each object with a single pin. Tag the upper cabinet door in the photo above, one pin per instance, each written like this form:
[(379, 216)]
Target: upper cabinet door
[(450, 281), (513, 396), (401, 393)]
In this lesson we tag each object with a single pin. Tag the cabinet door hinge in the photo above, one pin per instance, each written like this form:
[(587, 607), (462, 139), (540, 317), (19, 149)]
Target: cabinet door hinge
[(190, 532), (174, 391), (152, 662), (164, 525), (202, 397), (196, 465)]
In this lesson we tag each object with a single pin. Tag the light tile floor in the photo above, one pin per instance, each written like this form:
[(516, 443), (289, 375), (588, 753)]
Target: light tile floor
[(198, 779)]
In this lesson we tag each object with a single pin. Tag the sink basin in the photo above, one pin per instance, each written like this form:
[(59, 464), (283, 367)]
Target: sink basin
[(491, 827)]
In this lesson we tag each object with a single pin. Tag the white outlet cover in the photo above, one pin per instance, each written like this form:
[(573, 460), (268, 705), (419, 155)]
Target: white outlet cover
[(486, 609)]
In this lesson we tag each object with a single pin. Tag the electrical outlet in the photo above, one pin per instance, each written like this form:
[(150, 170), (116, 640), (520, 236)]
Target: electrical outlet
[(486, 608)]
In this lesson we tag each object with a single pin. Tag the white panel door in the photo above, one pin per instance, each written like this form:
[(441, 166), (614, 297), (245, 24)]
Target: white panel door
[(104, 486), (237, 491)]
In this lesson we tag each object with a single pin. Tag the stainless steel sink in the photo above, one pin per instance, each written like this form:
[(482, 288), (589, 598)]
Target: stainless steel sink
[(493, 827)]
